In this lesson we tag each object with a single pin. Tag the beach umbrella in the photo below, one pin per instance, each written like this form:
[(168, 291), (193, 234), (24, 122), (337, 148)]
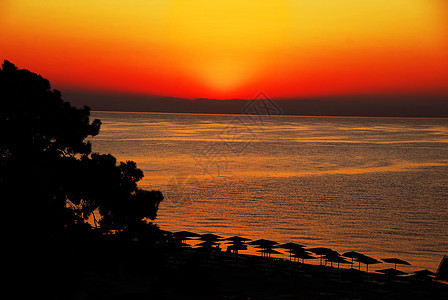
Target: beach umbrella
[(302, 254), (331, 254), (391, 272), (425, 273), (237, 239), (367, 260), (208, 246), (318, 250), (236, 247), (322, 251), (264, 243), (185, 235), (395, 261), (290, 248), (207, 243), (210, 237), (269, 251), (336, 259), (236, 243), (264, 247), (353, 255)]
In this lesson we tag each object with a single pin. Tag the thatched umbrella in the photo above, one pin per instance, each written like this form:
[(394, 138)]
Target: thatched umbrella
[(207, 246), (236, 238), (395, 261), (236, 247), (237, 243), (264, 243), (353, 255), (302, 254), (290, 248), (207, 243), (185, 235), (210, 237), (336, 259), (425, 273), (269, 251), (367, 260), (322, 251)]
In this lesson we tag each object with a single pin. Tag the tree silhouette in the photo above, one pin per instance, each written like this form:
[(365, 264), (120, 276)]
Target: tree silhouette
[(47, 170)]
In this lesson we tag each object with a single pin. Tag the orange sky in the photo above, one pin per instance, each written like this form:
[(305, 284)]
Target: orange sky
[(231, 49)]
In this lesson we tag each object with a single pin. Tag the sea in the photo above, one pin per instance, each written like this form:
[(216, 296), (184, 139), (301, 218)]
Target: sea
[(372, 185)]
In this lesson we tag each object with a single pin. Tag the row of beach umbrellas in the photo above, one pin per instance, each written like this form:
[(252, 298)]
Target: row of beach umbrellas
[(267, 248)]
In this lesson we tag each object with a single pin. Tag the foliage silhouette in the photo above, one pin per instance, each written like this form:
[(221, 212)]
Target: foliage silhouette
[(47, 170)]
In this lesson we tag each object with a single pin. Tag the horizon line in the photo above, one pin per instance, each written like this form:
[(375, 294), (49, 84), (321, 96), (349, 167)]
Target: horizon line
[(279, 115)]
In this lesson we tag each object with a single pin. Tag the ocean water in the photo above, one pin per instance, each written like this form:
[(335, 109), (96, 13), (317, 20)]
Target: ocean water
[(373, 185)]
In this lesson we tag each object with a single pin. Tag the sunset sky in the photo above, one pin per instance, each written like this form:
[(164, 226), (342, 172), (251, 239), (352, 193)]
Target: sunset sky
[(231, 49)]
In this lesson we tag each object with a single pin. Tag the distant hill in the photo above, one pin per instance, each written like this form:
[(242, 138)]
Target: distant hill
[(375, 106)]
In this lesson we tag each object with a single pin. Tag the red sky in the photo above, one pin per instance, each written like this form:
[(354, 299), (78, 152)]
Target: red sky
[(232, 49)]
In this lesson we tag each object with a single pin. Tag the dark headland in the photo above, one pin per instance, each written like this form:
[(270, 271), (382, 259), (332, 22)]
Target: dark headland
[(431, 106)]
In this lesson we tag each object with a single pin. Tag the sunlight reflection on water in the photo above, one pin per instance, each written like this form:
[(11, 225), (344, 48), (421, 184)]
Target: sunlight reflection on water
[(374, 185)]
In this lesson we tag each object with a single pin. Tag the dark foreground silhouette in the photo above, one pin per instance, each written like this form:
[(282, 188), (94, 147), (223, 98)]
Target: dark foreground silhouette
[(47, 162), (51, 184)]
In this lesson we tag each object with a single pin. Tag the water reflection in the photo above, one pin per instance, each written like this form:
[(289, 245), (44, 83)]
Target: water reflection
[(374, 185)]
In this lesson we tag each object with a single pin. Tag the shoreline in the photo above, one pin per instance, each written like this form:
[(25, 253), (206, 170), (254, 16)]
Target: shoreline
[(273, 116)]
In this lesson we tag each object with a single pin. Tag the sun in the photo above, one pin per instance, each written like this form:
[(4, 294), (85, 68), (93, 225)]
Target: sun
[(223, 74), (224, 44)]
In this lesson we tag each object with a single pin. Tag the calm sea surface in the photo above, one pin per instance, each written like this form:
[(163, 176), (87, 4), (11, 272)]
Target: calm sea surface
[(373, 185)]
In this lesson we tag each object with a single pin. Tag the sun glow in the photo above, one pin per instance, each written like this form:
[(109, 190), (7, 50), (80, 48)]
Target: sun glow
[(224, 43), (221, 49)]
